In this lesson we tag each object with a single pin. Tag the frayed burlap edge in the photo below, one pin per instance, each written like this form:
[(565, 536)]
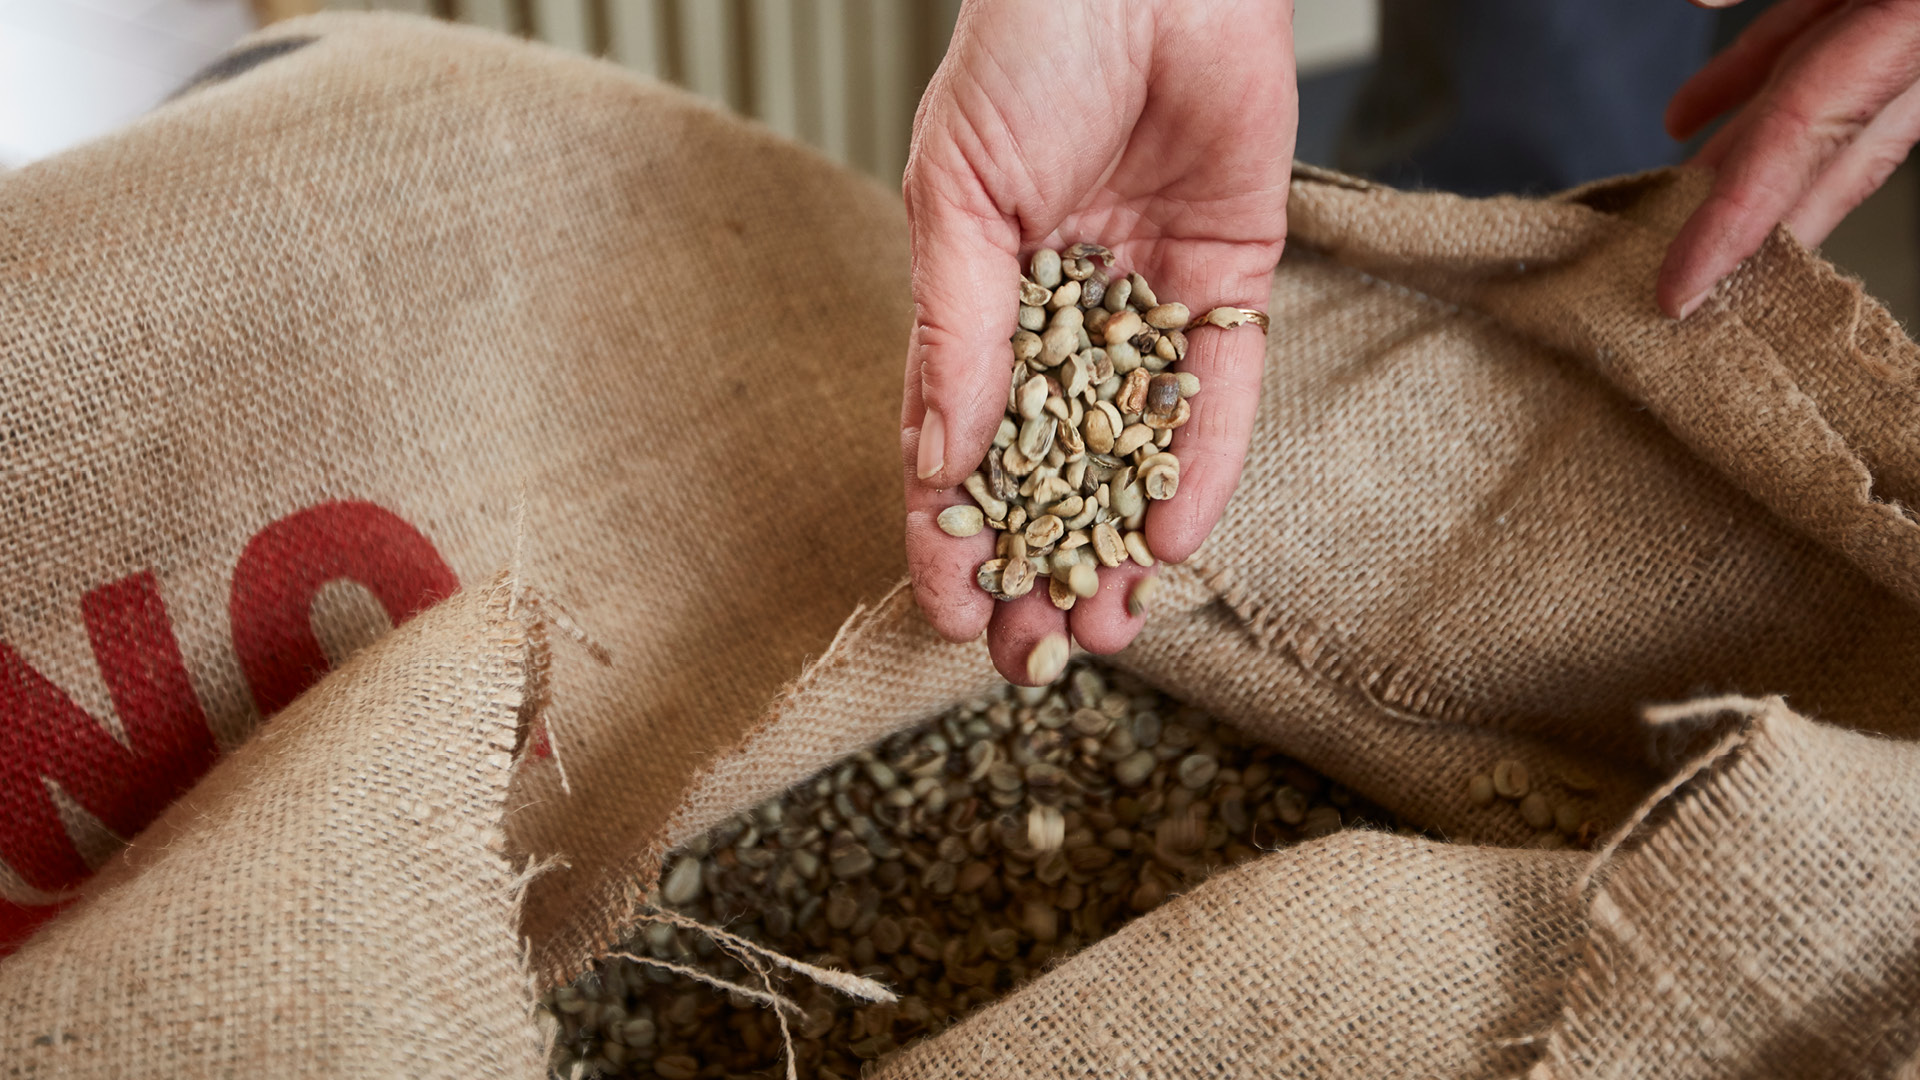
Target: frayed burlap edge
[(884, 670), (1742, 919), (1714, 380), (270, 916)]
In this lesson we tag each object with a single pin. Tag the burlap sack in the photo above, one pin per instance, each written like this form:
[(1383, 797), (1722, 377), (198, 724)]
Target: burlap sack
[(384, 307), (330, 898), (1765, 928)]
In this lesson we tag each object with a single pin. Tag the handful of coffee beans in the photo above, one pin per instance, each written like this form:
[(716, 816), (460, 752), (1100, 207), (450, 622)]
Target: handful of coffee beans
[(1091, 412)]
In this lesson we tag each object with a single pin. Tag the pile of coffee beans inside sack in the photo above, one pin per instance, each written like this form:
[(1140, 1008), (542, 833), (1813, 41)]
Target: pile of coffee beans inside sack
[(952, 863)]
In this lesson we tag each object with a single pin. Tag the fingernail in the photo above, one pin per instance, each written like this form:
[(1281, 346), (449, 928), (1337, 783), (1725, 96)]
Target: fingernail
[(1048, 659), (1693, 305), (933, 444)]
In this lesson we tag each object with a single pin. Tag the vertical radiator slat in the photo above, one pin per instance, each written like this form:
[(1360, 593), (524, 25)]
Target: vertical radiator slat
[(890, 35), (563, 23), (842, 75), (634, 39), (806, 62), (829, 63), (708, 51), (776, 70), (492, 14)]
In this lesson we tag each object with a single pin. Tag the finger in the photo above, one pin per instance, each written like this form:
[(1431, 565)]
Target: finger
[(960, 366), (1101, 623), (1714, 153), (1800, 125), (1859, 171), (965, 277), (1741, 69), (1212, 445), (944, 568), (1028, 639)]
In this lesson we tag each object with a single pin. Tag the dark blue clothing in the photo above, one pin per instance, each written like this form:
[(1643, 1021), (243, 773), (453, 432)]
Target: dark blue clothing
[(1525, 96)]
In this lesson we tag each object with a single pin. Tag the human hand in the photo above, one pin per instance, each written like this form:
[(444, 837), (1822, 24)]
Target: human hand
[(1828, 107), (1162, 130)]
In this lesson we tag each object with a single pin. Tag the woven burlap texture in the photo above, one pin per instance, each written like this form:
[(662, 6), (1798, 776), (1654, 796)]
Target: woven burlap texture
[(554, 316), (331, 899), (483, 286), (1765, 927), (1325, 961)]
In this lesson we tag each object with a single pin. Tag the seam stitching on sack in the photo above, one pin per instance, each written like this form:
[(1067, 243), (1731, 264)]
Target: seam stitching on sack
[(1904, 383), (1384, 686), (1889, 377), (1825, 273), (1905, 514)]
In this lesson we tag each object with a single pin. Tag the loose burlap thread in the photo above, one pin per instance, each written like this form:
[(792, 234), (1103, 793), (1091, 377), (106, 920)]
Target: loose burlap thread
[(1494, 505)]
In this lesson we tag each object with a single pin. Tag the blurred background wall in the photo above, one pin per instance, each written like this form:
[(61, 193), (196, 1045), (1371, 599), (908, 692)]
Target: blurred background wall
[(842, 75)]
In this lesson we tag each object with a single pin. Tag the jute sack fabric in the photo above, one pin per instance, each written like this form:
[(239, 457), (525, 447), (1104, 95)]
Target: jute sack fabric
[(1763, 928), (326, 335), (393, 304), (330, 899)]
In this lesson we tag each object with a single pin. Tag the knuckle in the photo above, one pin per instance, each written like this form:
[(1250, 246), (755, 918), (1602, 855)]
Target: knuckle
[(1882, 161), (952, 379), (1214, 426), (1755, 199)]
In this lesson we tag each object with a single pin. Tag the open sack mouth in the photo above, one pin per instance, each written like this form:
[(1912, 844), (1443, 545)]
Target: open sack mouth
[(951, 864)]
